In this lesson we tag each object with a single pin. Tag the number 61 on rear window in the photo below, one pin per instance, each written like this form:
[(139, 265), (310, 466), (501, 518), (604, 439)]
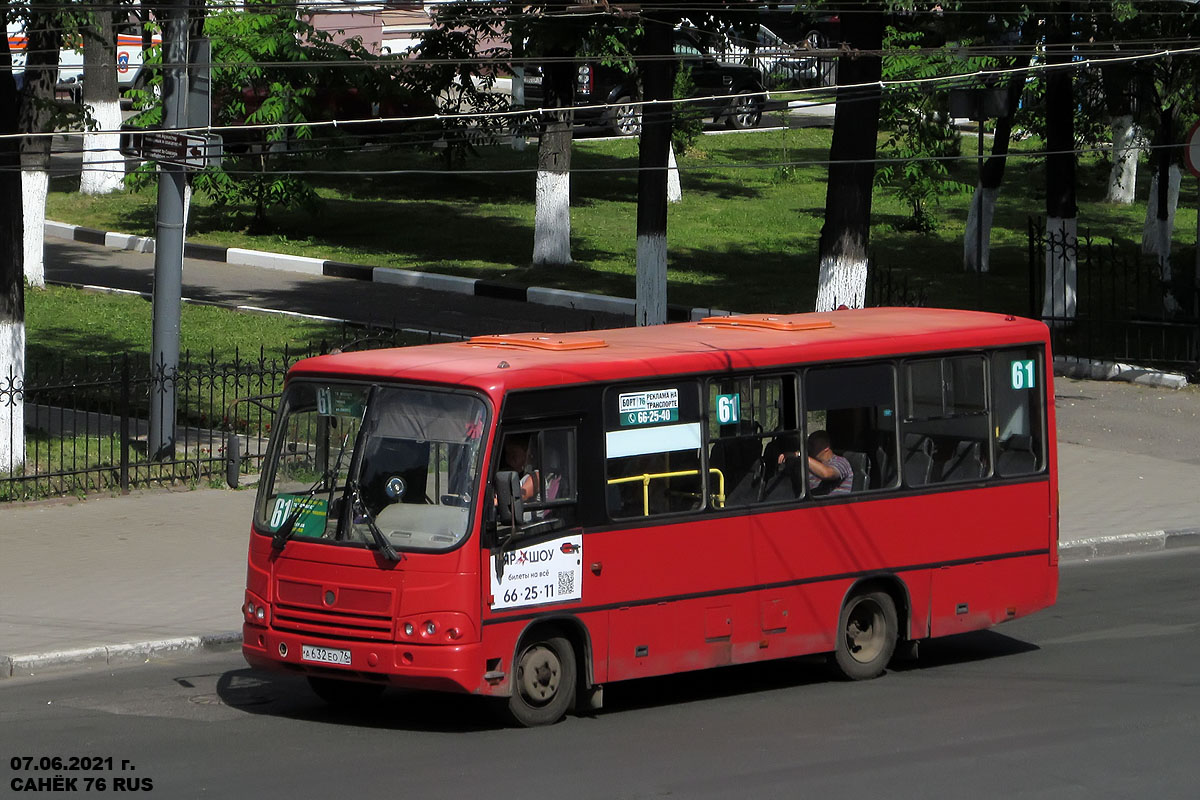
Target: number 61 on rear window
[(1023, 374)]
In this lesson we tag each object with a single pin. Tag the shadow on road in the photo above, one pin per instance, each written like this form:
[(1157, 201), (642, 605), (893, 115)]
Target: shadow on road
[(434, 712)]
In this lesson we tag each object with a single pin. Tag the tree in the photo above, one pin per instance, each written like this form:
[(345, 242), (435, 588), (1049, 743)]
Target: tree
[(658, 80), (1169, 88), (916, 117), (40, 113), (272, 68), (845, 236), (1062, 211), (12, 274), (103, 165), (559, 38)]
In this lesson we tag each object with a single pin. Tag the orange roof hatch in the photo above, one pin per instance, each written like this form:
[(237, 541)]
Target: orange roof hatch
[(768, 322), (538, 341)]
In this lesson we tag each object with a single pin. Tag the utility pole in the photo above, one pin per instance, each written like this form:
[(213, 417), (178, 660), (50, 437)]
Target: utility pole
[(168, 232)]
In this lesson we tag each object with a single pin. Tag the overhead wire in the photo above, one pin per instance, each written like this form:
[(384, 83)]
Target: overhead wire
[(957, 79)]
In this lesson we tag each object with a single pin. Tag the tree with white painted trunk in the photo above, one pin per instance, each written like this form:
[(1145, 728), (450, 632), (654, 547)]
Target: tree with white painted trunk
[(1062, 223), (978, 235), (12, 276), (1119, 80), (103, 165), (38, 113), (845, 236), (552, 209), (654, 145)]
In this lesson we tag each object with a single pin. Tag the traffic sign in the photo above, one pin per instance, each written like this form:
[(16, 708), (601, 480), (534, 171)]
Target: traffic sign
[(193, 151)]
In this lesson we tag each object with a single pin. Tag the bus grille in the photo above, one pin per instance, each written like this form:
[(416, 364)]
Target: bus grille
[(330, 624)]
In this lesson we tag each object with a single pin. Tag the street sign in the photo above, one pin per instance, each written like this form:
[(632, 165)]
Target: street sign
[(192, 151)]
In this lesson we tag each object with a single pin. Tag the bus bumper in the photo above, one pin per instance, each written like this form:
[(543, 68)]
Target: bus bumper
[(446, 668)]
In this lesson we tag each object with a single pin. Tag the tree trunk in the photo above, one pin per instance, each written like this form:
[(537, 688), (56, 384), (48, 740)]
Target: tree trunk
[(36, 112), (1160, 216), (654, 149), (12, 276), (552, 214), (983, 207), (1164, 197), (1120, 86), (674, 189), (979, 226), (845, 236), (103, 164), (1122, 177), (1062, 212)]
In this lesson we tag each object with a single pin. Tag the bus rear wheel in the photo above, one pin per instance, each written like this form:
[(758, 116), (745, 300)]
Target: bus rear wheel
[(345, 694), (543, 682), (866, 635)]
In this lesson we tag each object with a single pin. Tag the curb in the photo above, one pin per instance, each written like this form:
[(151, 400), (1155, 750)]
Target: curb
[(477, 287), (21, 666), (1128, 544), (1088, 369)]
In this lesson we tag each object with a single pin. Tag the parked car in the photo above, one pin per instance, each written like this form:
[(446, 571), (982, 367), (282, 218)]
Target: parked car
[(737, 91)]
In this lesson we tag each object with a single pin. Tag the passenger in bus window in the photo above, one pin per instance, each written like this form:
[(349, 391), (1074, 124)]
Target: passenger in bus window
[(517, 459), (828, 473)]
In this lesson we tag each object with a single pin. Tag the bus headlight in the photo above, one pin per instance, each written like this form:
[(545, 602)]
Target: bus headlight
[(255, 610)]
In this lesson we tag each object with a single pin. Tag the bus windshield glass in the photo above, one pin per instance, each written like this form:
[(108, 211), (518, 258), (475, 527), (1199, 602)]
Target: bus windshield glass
[(348, 455)]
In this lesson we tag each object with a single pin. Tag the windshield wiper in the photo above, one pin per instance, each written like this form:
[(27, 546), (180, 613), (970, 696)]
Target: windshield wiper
[(285, 531), (381, 541), (280, 537)]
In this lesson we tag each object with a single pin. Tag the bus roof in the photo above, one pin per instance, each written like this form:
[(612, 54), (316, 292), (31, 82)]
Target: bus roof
[(716, 344)]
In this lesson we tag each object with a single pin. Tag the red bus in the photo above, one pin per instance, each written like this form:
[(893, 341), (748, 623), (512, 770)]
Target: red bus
[(533, 516)]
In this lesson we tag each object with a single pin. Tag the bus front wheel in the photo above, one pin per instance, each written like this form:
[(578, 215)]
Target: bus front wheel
[(866, 635), (543, 682)]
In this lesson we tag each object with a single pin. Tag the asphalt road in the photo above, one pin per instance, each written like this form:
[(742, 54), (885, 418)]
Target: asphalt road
[(1096, 698), (340, 298)]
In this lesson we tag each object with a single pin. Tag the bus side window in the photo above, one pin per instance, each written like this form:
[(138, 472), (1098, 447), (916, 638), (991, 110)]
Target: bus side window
[(548, 462), (653, 449), (1018, 412), (945, 420), (749, 420), (856, 406)]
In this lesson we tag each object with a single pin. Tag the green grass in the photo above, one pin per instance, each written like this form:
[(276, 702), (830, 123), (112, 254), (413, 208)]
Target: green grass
[(743, 238), (62, 322)]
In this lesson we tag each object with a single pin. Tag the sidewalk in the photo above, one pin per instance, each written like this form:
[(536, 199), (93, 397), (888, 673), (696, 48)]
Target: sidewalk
[(112, 580)]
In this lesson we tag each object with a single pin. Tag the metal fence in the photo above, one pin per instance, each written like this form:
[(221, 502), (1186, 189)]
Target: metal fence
[(1120, 308), (86, 422)]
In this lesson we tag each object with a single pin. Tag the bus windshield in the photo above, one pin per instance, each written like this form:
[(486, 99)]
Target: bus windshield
[(346, 456)]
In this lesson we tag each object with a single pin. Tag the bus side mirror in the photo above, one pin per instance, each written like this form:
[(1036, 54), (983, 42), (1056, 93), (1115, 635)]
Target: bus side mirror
[(233, 460), (510, 507)]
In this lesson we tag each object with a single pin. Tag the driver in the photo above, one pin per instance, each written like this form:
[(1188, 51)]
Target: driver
[(517, 459)]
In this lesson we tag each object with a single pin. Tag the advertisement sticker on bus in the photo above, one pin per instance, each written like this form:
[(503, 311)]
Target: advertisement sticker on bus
[(646, 408), (546, 572)]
